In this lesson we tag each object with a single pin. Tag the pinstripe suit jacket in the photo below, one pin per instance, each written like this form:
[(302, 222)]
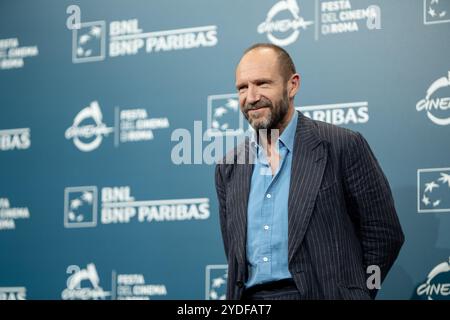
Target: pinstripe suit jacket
[(341, 214)]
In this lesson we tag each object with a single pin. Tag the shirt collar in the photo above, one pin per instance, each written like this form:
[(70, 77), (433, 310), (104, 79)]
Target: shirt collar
[(288, 135)]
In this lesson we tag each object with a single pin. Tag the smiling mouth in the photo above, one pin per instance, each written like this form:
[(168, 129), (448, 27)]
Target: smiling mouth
[(256, 109)]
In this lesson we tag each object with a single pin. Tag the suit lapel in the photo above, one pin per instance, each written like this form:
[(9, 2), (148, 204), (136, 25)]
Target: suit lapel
[(308, 164)]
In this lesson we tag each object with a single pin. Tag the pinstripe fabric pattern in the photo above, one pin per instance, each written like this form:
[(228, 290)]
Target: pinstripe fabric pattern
[(341, 214)]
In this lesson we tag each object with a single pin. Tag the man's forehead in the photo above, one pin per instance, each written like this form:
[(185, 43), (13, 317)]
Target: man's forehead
[(252, 70), (255, 64)]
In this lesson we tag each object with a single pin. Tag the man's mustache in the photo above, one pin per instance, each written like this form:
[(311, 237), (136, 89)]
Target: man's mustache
[(260, 104)]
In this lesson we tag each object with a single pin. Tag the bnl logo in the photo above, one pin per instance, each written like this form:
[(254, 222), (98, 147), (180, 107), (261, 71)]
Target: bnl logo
[(216, 282), (88, 42), (224, 115), (436, 11), (433, 190)]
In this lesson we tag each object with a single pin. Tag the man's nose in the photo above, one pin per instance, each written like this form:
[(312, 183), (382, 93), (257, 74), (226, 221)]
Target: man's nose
[(252, 95)]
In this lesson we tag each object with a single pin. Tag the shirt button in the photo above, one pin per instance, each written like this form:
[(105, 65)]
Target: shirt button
[(269, 196), (266, 227), (265, 259)]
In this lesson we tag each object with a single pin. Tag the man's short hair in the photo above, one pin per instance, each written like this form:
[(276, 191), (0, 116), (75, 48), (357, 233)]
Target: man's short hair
[(287, 67)]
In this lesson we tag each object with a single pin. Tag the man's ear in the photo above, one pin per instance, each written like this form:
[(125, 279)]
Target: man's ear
[(293, 85)]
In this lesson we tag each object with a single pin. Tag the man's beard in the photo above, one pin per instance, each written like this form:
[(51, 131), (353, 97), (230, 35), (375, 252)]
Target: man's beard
[(276, 114)]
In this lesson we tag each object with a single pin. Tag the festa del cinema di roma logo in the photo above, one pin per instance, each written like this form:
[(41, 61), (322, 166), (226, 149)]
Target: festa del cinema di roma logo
[(88, 137), (131, 125), (271, 26), (437, 285), (84, 284), (437, 107), (284, 22)]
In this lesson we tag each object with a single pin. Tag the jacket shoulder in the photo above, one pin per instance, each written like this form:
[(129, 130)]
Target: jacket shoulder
[(337, 137), (240, 154)]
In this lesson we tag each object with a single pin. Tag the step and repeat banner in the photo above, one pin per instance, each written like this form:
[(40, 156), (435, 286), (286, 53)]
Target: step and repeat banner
[(110, 112)]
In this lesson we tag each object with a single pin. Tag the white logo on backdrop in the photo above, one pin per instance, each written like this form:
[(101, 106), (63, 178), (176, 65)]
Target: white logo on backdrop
[(15, 139), (435, 287), (288, 27), (84, 284), (341, 17), (80, 207), (339, 113), (88, 137), (433, 190), (75, 290), (130, 125), (8, 215), (216, 282), (119, 206), (13, 293), (12, 56), (224, 115), (436, 11), (135, 125), (88, 42), (134, 287), (125, 37), (283, 23)]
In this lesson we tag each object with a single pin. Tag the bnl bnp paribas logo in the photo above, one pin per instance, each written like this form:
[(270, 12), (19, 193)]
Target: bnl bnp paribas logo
[(90, 40), (130, 125), (216, 282), (437, 285), (436, 104), (84, 284), (118, 206), (224, 117), (436, 11), (287, 20), (15, 139), (433, 190)]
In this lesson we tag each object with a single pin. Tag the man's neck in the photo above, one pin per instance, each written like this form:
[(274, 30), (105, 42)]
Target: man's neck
[(284, 123)]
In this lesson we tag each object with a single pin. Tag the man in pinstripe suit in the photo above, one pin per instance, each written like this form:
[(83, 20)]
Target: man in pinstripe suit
[(305, 211)]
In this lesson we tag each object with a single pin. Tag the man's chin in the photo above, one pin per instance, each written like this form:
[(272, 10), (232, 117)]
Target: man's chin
[(259, 119), (259, 124)]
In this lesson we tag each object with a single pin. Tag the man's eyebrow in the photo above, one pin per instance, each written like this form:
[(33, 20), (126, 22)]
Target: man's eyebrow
[(267, 80), (239, 85), (259, 80)]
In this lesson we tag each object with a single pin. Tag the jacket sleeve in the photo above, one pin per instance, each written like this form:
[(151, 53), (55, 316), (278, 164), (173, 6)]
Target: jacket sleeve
[(371, 207), (221, 196)]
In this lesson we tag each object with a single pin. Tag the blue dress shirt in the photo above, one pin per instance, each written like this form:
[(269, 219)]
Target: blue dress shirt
[(267, 212)]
